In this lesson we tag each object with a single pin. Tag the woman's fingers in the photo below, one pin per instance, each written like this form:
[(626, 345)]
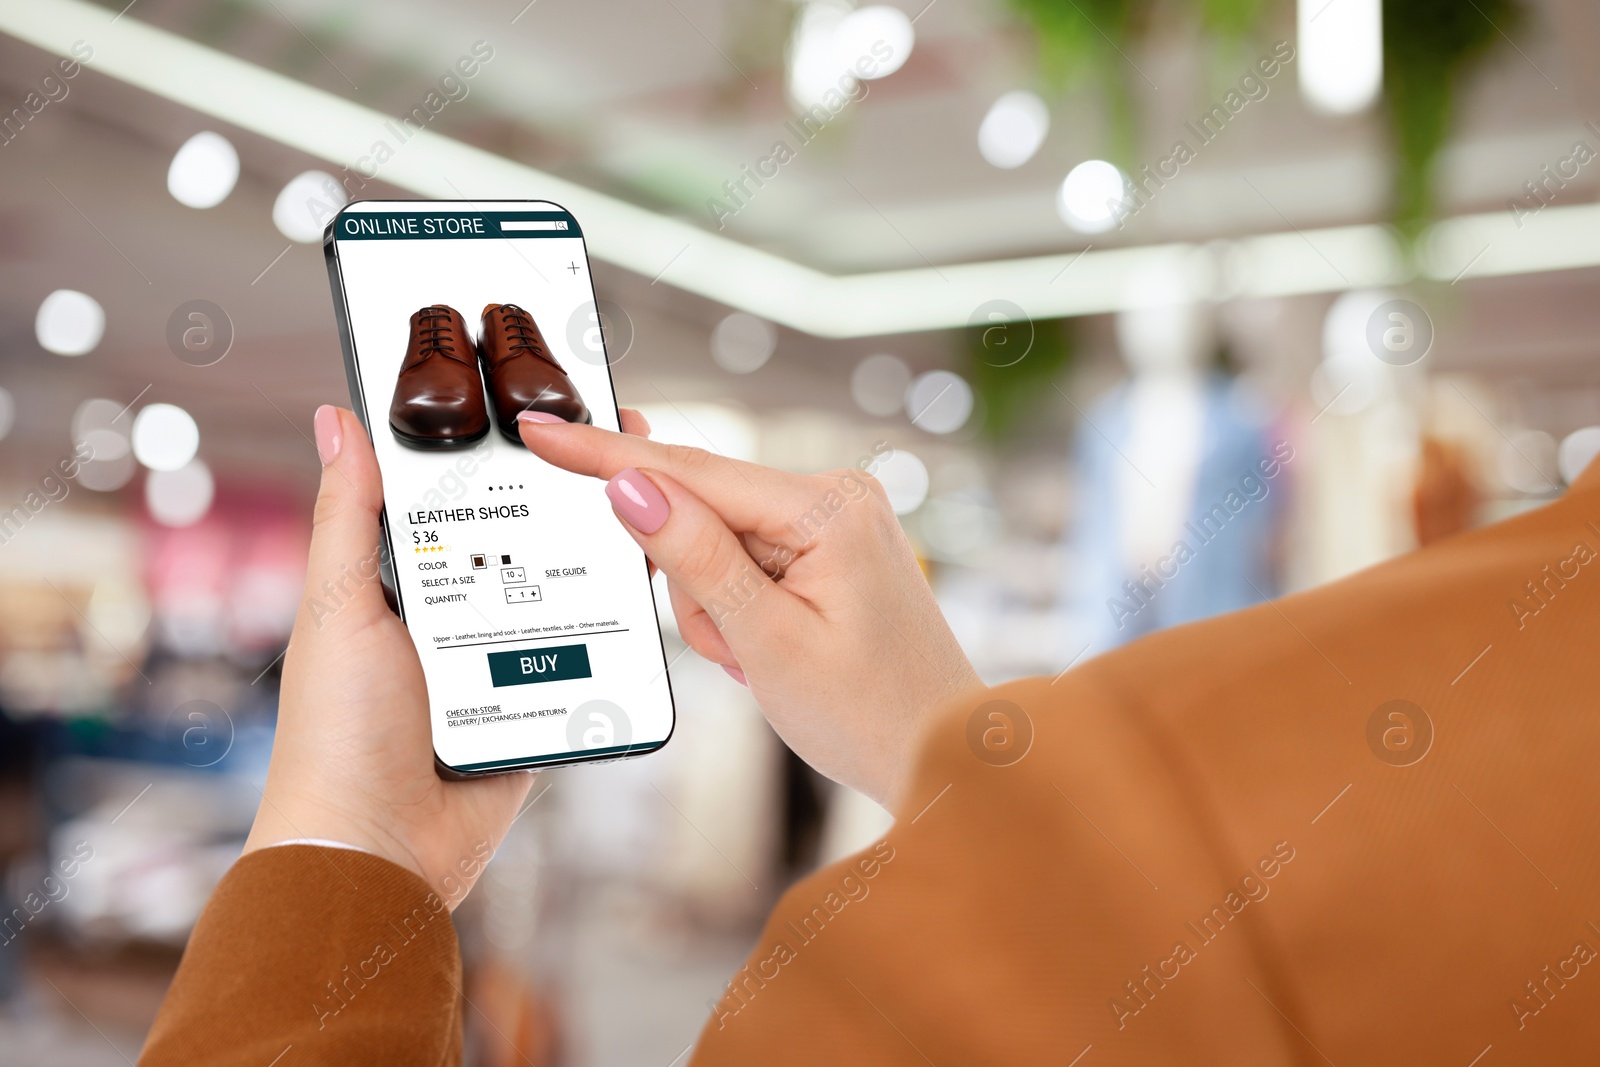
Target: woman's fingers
[(635, 423), (342, 574), (694, 548), (697, 629), (747, 495)]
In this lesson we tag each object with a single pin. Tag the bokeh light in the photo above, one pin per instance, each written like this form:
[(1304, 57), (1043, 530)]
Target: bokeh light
[(165, 437), (905, 478), (70, 323), (179, 497), (306, 205), (203, 171), (1578, 450), (1013, 130), (868, 33), (878, 384), (742, 343), (939, 401), (1094, 197)]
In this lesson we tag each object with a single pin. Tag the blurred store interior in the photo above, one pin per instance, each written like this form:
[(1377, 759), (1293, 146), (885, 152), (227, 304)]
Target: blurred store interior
[(1085, 273)]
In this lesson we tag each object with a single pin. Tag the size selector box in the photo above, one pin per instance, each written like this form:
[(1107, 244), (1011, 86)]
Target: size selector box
[(513, 576), (523, 594)]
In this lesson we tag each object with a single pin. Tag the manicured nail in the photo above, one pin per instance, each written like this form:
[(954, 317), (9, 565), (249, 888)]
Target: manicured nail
[(329, 437), (637, 500), (737, 675), (541, 417)]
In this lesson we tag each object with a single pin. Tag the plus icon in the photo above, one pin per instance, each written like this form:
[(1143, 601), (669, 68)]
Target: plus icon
[(573, 267)]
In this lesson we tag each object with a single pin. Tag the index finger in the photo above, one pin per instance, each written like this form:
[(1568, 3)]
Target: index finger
[(747, 496)]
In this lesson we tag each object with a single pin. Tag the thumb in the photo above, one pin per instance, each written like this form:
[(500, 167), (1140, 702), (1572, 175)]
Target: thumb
[(343, 572)]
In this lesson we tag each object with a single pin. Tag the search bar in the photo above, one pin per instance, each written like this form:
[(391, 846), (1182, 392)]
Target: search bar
[(537, 224)]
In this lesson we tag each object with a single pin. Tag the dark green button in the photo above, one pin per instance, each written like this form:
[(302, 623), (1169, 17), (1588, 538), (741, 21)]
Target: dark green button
[(530, 665)]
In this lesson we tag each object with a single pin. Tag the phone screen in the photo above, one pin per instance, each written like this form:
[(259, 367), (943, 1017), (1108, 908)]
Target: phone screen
[(531, 608)]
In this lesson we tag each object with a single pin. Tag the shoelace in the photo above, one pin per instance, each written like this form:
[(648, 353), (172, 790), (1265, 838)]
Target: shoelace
[(433, 329), (521, 336)]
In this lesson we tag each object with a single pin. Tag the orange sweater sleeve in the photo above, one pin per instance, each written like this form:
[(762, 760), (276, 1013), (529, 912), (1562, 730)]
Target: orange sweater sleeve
[(310, 955), (1016, 913), (1356, 825)]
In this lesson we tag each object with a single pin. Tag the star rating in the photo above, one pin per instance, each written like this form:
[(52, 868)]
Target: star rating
[(430, 548)]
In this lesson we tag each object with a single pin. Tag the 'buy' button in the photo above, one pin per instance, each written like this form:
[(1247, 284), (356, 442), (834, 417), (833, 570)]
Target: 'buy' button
[(531, 665)]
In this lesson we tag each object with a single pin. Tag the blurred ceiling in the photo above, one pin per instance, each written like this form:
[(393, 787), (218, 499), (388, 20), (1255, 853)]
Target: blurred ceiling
[(657, 105)]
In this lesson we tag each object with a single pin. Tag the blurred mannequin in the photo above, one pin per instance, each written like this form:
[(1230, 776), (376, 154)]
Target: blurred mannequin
[(1364, 437), (1165, 346), (1159, 454)]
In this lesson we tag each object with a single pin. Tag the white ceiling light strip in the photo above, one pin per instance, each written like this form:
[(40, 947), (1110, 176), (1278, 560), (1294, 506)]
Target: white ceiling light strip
[(334, 129), (683, 255)]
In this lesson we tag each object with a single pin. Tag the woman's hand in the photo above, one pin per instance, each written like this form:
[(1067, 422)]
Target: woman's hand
[(353, 757), (801, 586)]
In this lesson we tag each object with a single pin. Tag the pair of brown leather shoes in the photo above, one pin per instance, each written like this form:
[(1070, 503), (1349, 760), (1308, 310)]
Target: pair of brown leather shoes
[(438, 399)]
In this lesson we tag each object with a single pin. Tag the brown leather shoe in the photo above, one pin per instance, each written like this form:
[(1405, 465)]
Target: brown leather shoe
[(521, 373), (438, 399)]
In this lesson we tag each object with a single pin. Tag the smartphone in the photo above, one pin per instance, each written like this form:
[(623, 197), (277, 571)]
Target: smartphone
[(531, 609)]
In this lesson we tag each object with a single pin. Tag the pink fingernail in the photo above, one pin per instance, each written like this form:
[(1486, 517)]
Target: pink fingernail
[(329, 437), (637, 500), (737, 675), (540, 417)]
